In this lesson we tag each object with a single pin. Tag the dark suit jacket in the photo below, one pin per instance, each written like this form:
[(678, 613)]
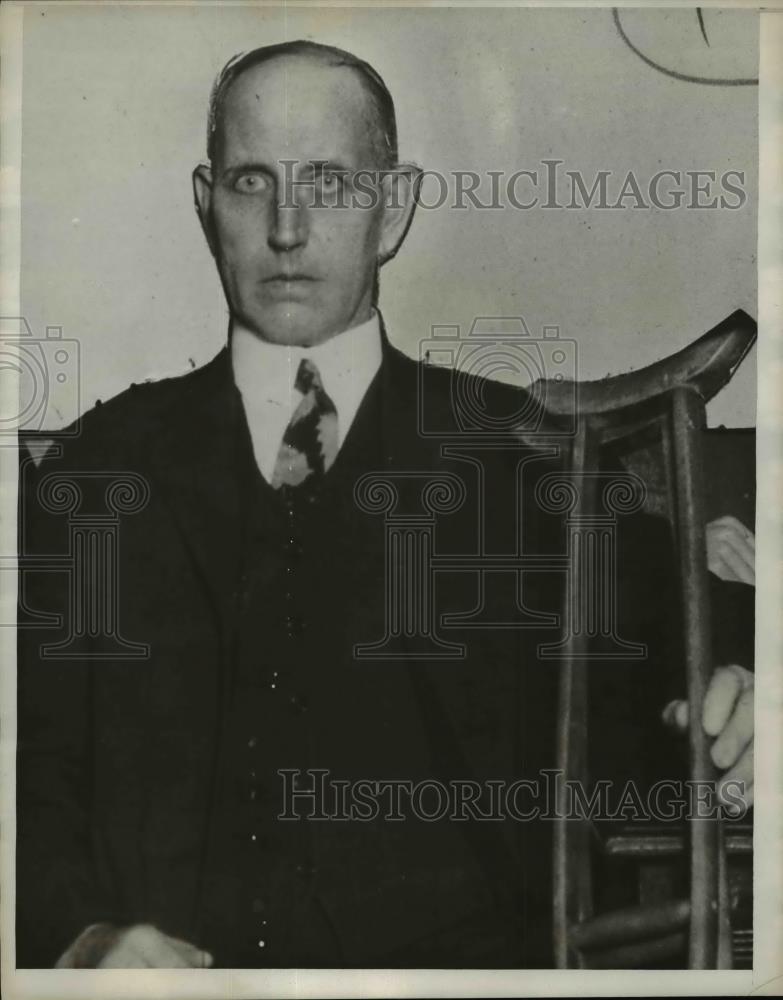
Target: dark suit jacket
[(119, 758)]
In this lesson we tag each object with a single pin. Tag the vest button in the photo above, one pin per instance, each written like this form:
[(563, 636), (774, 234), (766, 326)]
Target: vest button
[(294, 625), (256, 790), (293, 547), (298, 703)]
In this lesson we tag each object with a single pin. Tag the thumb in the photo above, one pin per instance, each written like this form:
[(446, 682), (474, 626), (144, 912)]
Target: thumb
[(196, 957), (676, 715)]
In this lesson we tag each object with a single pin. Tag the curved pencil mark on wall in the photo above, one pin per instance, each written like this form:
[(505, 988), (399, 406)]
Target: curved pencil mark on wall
[(675, 74)]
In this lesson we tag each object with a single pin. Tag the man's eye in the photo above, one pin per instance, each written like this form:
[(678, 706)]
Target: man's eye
[(329, 180), (251, 183)]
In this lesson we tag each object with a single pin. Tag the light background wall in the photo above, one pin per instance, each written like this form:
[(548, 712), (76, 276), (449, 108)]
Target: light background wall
[(114, 101)]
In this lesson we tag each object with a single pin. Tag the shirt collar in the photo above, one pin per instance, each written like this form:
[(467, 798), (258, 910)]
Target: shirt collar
[(264, 373)]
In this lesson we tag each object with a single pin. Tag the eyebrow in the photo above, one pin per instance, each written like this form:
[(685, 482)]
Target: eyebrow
[(335, 165)]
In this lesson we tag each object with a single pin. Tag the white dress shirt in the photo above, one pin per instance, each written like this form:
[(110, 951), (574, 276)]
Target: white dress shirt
[(264, 374)]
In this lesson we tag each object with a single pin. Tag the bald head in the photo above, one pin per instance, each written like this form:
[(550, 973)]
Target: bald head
[(374, 109)]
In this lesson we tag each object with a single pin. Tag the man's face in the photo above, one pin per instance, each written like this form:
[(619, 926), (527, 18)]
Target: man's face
[(294, 271)]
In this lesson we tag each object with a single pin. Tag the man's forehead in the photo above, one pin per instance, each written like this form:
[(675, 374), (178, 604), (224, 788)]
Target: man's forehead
[(297, 105)]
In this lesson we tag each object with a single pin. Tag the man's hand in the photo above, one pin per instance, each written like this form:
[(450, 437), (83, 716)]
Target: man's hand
[(731, 551), (139, 947), (728, 716), (145, 947)]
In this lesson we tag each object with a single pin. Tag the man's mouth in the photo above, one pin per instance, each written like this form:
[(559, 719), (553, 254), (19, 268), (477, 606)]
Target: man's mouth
[(289, 286), (288, 278)]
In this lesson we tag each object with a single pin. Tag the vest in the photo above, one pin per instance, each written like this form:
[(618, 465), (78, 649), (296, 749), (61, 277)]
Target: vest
[(322, 891)]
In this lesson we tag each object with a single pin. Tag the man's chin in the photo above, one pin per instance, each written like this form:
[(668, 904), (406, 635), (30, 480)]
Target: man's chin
[(290, 323)]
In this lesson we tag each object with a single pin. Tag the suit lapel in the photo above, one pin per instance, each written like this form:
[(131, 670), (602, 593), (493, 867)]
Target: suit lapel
[(405, 446), (201, 462)]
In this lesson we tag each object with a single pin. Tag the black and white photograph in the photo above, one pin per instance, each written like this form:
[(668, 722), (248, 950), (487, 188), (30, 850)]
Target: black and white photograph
[(390, 445)]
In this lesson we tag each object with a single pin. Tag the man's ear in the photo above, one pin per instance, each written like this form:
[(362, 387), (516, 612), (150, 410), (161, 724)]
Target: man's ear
[(400, 191), (202, 192)]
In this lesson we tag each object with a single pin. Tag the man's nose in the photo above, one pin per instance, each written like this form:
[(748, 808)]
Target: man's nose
[(289, 227)]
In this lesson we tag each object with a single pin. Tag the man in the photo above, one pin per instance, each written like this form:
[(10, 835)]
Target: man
[(150, 790)]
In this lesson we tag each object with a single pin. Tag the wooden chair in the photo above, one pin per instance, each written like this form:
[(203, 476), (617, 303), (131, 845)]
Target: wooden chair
[(666, 401)]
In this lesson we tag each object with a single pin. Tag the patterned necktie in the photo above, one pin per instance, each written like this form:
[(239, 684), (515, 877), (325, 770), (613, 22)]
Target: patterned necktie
[(309, 445)]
